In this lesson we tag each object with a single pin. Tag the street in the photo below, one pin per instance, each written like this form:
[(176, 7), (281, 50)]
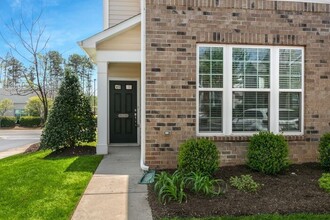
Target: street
[(11, 138)]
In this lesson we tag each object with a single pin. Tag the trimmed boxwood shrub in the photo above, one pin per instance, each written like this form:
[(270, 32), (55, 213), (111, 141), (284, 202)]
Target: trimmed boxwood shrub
[(199, 155), (268, 153), (7, 121), (30, 121), (324, 149)]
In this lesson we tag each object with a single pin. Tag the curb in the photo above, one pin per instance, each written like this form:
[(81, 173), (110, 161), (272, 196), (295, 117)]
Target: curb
[(15, 151)]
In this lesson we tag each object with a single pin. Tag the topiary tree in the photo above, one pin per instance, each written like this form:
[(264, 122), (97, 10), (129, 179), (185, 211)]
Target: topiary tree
[(199, 155), (71, 118), (268, 153), (324, 149)]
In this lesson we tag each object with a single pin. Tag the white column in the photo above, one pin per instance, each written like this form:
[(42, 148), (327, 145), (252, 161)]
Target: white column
[(102, 108)]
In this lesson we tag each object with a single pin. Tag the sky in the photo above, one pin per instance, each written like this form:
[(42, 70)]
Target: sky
[(66, 21)]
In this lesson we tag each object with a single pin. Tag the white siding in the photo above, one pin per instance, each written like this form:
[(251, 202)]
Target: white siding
[(129, 40), (121, 10), (124, 70)]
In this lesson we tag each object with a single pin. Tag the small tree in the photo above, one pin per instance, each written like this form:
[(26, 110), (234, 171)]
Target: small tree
[(34, 106), (71, 119), (5, 105)]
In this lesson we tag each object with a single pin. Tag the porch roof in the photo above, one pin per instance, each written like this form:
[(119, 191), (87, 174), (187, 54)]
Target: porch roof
[(89, 45)]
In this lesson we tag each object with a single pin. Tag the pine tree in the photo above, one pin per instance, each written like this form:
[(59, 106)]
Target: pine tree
[(71, 118)]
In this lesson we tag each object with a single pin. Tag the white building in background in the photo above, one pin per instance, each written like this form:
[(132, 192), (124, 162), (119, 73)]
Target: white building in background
[(18, 100)]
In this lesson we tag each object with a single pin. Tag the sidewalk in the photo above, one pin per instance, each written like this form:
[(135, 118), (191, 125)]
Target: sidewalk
[(14, 151), (113, 192)]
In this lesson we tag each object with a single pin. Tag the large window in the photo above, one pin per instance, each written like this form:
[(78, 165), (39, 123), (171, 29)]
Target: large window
[(245, 89)]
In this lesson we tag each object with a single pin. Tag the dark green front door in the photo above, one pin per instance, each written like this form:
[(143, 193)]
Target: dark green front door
[(123, 112)]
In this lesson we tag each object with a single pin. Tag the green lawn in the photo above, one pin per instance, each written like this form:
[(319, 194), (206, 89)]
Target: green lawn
[(263, 217), (35, 187)]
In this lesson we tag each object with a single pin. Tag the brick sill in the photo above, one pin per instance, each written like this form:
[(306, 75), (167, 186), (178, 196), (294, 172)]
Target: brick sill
[(246, 138)]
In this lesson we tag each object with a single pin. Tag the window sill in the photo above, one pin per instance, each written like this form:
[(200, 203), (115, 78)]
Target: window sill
[(246, 138)]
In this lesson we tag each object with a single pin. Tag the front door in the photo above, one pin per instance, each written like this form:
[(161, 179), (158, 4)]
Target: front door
[(123, 112)]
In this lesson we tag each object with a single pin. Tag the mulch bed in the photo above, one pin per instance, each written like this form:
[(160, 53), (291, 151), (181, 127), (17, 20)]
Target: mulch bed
[(294, 191), (65, 152)]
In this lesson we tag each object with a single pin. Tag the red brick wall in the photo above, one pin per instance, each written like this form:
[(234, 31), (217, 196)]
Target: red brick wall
[(174, 27)]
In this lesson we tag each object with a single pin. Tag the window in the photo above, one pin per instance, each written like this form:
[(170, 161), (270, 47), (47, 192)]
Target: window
[(245, 89)]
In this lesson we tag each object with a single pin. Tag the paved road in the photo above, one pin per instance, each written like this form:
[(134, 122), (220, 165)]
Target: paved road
[(17, 138)]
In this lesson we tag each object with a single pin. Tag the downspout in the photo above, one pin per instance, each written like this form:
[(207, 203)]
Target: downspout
[(143, 85)]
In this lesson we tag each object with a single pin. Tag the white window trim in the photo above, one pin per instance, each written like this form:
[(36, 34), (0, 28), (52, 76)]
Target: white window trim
[(227, 91)]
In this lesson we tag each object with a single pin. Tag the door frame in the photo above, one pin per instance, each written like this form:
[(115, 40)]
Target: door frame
[(138, 86)]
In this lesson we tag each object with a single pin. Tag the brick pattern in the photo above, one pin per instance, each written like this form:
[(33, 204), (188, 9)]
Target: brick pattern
[(174, 27)]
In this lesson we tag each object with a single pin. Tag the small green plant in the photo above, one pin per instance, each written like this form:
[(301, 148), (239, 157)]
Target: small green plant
[(324, 149), (268, 153), (199, 155), (204, 184), (324, 182), (244, 183), (170, 187)]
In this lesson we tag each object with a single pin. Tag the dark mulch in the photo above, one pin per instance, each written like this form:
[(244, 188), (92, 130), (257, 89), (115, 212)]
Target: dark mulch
[(65, 152), (294, 191), (73, 151)]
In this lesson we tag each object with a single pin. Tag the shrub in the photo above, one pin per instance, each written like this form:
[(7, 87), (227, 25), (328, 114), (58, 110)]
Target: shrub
[(324, 149), (170, 187), (199, 156), (244, 183), (200, 183), (30, 121), (71, 119), (268, 153), (324, 182), (7, 121)]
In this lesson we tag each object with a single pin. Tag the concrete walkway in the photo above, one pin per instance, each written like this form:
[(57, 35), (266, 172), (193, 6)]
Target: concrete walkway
[(14, 151), (113, 192)]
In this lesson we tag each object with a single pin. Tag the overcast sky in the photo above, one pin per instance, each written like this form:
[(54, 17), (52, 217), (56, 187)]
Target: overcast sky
[(66, 21)]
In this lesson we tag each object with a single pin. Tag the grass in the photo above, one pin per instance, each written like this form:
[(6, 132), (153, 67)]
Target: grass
[(33, 186), (264, 217)]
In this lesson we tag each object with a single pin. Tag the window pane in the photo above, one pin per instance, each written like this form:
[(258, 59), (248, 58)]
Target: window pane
[(204, 53), (290, 68), (250, 111), (210, 111), (217, 53), (289, 111), (251, 68), (210, 67)]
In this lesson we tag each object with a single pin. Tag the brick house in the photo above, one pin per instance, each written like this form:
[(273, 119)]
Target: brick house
[(170, 70)]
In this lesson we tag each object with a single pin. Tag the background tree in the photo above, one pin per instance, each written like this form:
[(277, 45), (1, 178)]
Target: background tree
[(83, 67), (71, 119), (34, 106), (5, 105), (41, 66), (54, 64), (13, 75)]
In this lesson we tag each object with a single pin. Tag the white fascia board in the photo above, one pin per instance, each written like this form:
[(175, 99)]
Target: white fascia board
[(308, 1), (92, 41), (133, 56)]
